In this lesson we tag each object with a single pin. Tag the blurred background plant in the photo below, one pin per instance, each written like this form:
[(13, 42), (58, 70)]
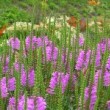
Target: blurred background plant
[(36, 12), (22, 10)]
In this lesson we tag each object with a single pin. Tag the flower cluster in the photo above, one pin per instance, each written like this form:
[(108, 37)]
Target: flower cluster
[(56, 79), (19, 83), (80, 60), (32, 103), (14, 42)]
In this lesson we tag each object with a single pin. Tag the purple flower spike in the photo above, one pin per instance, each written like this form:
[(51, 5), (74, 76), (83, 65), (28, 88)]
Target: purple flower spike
[(93, 97), (30, 104), (64, 81), (108, 105), (54, 80), (5, 69), (27, 42), (109, 44), (88, 54), (108, 64), (80, 60), (17, 66), (57, 78), (11, 84), (41, 41), (86, 93), (107, 78), (41, 103), (31, 78), (98, 56), (97, 76), (14, 42), (6, 65), (81, 40), (51, 53), (21, 103), (31, 42), (11, 105), (23, 77), (103, 46), (4, 90)]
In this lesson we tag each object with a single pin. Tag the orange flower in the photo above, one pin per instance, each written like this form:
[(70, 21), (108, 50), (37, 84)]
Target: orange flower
[(83, 24), (93, 2), (73, 22), (2, 30)]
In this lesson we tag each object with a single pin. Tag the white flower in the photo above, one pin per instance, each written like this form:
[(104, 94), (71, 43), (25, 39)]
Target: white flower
[(21, 26)]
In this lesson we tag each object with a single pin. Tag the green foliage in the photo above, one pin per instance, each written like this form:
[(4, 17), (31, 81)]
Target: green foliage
[(15, 14), (60, 98), (40, 87)]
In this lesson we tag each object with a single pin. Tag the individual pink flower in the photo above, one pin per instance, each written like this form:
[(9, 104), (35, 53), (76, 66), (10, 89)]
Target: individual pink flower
[(14, 42), (93, 97), (21, 103), (51, 53), (31, 77), (80, 60), (103, 46), (31, 42), (54, 80), (41, 103), (6, 65), (97, 77), (64, 81), (106, 78), (108, 64), (4, 90), (86, 93), (23, 77), (108, 105), (87, 59), (30, 104), (16, 66), (81, 40), (11, 84), (11, 104), (43, 41)]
